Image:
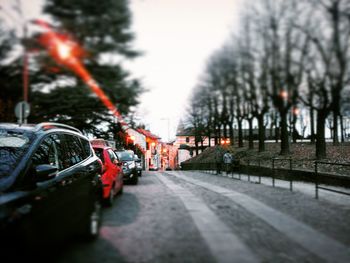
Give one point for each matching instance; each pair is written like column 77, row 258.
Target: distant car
column 168, row 169
column 112, row 176
column 50, row 186
column 129, row 166
column 153, row 167
column 138, row 165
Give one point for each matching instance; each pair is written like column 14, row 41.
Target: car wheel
column 135, row 180
column 110, row 199
column 92, row 226
column 121, row 190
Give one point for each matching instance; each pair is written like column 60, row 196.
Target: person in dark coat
column 218, row 160
column 228, row 160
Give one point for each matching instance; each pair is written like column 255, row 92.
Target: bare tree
column 328, row 69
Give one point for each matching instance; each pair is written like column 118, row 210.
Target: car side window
column 86, row 147
column 75, row 152
column 111, row 155
column 49, row 152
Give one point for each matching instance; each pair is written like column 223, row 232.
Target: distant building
column 185, row 140
column 153, row 149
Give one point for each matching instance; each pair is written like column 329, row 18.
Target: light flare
column 64, row 51
column 67, row 53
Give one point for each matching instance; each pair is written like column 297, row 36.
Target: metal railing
column 317, row 184
column 276, row 164
column 274, row 160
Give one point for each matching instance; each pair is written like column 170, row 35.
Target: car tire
column 135, row 180
column 92, row 226
column 121, row 190
column 110, row 199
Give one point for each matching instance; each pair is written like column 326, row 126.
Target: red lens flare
column 67, row 53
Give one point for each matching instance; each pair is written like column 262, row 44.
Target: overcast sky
column 177, row 37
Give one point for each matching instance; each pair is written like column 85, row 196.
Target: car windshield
column 125, row 156
column 13, row 145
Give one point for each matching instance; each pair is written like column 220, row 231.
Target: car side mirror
column 45, row 172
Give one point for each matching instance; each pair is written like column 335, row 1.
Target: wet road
column 195, row 217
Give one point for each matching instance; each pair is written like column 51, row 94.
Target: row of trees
column 287, row 55
column 103, row 31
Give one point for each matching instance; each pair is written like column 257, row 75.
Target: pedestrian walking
column 228, row 159
column 218, row 161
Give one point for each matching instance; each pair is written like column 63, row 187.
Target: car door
column 47, row 201
column 117, row 170
column 79, row 173
column 111, row 168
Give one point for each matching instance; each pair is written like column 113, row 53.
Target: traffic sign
column 22, row 111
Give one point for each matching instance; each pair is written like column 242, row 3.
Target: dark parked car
column 50, row 186
column 129, row 166
column 138, row 163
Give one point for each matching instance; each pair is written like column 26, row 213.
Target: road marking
column 223, row 244
column 318, row 243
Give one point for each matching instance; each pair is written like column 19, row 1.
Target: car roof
column 44, row 126
column 100, row 146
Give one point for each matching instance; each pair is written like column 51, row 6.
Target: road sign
column 22, row 111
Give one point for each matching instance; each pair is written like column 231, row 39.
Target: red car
column 112, row 177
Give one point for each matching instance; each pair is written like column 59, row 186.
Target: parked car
column 129, row 166
column 138, row 165
column 50, row 186
column 153, row 167
column 112, row 176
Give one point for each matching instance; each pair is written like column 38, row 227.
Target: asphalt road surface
column 196, row 217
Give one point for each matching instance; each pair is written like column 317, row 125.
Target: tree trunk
column 294, row 128
column 335, row 128
column 232, row 137
column 196, row 144
column 284, row 134
column 216, row 135
column 261, row 133
column 250, row 136
column 312, row 126
column 342, row 128
column 209, row 137
column 277, row 129
column 240, row 133
column 271, row 127
column 320, row 135
column 225, row 130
